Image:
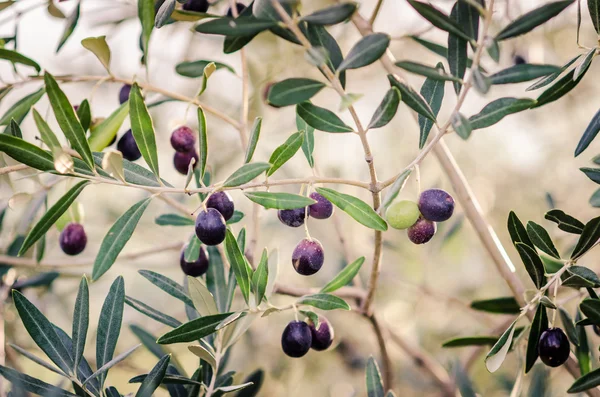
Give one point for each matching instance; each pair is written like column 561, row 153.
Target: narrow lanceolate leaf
column 163, row 15
column 36, row 359
column 19, row 110
column 84, row 113
column 497, row 354
column 193, row 330
column 109, row 324
column 580, row 277
column 439, row 19
column 142, row 128
column 412, row 99
column 81, row 320
column 202, row 142
column 245, row 174
column 154, row 378
column 320, row 37
column 29, row 154
column 203, row 300
column 504, row 305
column 293, row 91
column 368, row 50
column 98, row 46
column 522, row 72
column 103, row 369
column 285, row 152
column 373, row 378
column 331, row 15
column 550, row 78
column 433, row 92
column 320, row 118
column 308, row 144
column 238, row 263
column 457, row 45
column 202, row 353
column 534, row 18
column 541, row 239
column 584, row 64
column 196, row 68
column 587, row 381
column 538, row 325
column 15, row 57
column 471, row 341
column 173, row 220
column 33, row 385
column 426, row 70
column 345, row 276
column 67, row 120
column 533, row 264
column 241, row 26
column 562, row 87
column 569, row 326
column 589, row 134
column 215, row 278
column 42, row 332
column 152, row 313
column 356, row 208
column 261, row 277
column 253, row 141
column 103, row 134
column 51, row 216
column 589, row 237
column 324, row 302
column 395, row 189
column 166, row 284
column 280, row 201
column 146, row 18
column 117, row 237
column 72, row 21
column 565, row 222
column 594, row 9
column 592, row 173
column 47, row 135
column 498, row 109
column 591, row 308
column 582, row 352
column 386, row 110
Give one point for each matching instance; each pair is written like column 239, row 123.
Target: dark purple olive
column 322, row 336
column 72, row 239
column 519, row 60
column 422, row 231
column 596, row 329
column 183, row 139
column 128, row 147
column 436, row 205
column 222, row 202
column 124, row 93
column 181, row 161
column 308, row 257
column 196, row 5
column 292, row 218
column 554, row 347
column 210, row 227
column 296, row 339
column 322, row 209
column 196, row 268
column 239, row 6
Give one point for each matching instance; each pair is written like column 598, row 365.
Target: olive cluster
column 300, row 336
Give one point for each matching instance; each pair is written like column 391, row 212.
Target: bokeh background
column 424, row 291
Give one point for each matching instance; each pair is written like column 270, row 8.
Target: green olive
column 402, row 214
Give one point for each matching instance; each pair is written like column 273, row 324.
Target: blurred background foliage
column 424, row 291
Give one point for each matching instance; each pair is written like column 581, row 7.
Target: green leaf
column 51, row 216
column 103, row 134
column 594, row 9
column 480, row 81
column 332, row 15
column 148, row 340
column 98, row 46
column 152, row 313
column 563, row 86
column 457, row 46
column 193, row 330
column 173, row 220
column 439, row 19
column 356, row 208
column 84, row 113
column 582, row 352
column 529, row 21
column 589, row 237
column 565, row 222
column 538, row 325
column 245, row 174
column 589, row 134
column 427, row 71
column 584, row 64
column 471, row 341
column 320, row 118
column 587, row 381
column 32, row 384
column 569, row 326
column 240, row 26
column 324, row 302
column 253, row 141
column 395, row 189
column 293, row 91
column 163, row 15
column 67, row 120
column 70, row 27
column 36, row 359
column 412, row 99
column 146, row 18
column 109, row 324
column 497, row 354
column 550, row 78
column 237, row 260
column 533, row 264
column 42, row 332
column 285, row 152
column 504, row 305
column 104, row 369
column 308, row 144
column 319, row 37
column 196, row 68
column 280, row 201
column 202, row 353
column 386, row 110
column 345, row 276
column 373, row 377
column 215, row 278
column 154, row 378
column 580, row 277
column 433, row 92
column 498, row 109
column 117, row 237
column 81, row 320
column 461, row 125
column 202, row 141
column 142, row 128
column 167, row 285
column 541, row 239
column 368, row 50
column 522, row 72
column 202, row 298
column 169, row 380
column 591, row 308
column 261, row 277
column 192, row 249
column 595, row 199
column 15, row 57
column 19, row 109
column 134, row 173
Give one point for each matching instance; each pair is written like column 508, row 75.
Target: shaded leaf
column 589, row 134
column 109, row 325
column 589, row 237
column 368, row 50
column 193, row 330
column 237, row 260
column 522, row 72
column 541, row 239
column 15, row 57
column 386, row 110
column 565, row 222
column 471, row 341
column 154, row 378
column 152, row 313
column 538, row 325
column 253, row 141
column 331, row 15
column 167, row 285
column 32, row 384
column 173, row 220
column 373, row 378
column 240, row 26
column 412, row 99
column 72, row 21
column 293, row 91
column 504, row 305
column 534, row 18
column 196, row 68
column 98, row 46
column 438, row 19
column 496, row 110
